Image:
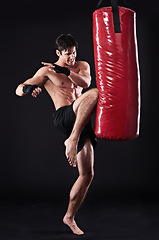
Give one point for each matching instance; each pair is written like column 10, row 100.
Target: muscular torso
column 61, row 89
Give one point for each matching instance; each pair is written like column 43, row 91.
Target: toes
column 70, row 162
column 71, row 159
column 73, row 164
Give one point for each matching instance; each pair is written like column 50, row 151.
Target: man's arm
column 32, row 85
column 83, row 78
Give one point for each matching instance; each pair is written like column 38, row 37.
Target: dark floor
column 104, row 220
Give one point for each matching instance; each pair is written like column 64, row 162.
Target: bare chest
column 61, row 80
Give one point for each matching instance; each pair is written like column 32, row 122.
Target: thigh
column 84, row 96
column 85, row 159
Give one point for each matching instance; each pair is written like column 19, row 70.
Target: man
column 64, row 81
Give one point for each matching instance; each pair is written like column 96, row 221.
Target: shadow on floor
column 105, row 221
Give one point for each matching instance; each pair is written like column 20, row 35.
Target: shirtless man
column 64, row 81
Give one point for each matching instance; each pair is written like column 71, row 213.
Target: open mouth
column 71, row 61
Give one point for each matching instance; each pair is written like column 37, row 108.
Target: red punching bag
column 117, row 73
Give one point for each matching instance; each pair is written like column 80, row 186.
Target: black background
column 32, row 160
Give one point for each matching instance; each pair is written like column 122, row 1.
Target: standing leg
column 83, row 108
column 85, row 162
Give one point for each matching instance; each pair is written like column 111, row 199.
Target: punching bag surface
column 117, row 75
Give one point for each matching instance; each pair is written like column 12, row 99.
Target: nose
column 72, row 56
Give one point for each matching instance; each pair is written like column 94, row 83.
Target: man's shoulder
column 82, row 64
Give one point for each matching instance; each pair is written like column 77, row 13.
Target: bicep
column 38, row 79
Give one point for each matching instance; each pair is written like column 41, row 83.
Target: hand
column 59, row 69
column 34, row 90
column 48, row 64
column 56, row 68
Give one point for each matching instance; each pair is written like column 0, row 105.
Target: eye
column 68, row 54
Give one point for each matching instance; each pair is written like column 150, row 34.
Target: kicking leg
column 83, row 108
column 85, row 162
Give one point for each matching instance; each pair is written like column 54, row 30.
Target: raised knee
column 95, row 93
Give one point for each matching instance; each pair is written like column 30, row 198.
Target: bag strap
column 116, row 17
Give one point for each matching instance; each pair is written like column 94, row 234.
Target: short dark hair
column 65, row 41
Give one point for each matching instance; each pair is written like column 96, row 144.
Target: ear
column 58, row 53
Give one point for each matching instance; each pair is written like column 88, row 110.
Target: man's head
column 66, row 47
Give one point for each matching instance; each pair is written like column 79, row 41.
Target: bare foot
column 72, row 225
column 71, row 151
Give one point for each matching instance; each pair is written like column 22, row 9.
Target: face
column 68, row 56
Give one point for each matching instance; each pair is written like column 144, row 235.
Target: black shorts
column 64, row 119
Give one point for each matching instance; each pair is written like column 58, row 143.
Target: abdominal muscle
column 62, row 96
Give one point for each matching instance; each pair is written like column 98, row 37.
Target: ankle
column 75, row 135
column 74, row 138
column 69, row 217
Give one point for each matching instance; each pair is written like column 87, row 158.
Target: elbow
column 16, row 92
column 87, row 83
column 19, row 92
